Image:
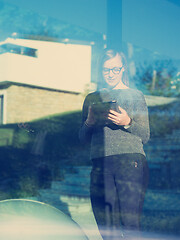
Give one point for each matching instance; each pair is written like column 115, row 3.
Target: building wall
column 57, row 65
column 25, row 104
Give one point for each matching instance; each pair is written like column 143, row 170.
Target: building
column 24, row 102
column 40, row 78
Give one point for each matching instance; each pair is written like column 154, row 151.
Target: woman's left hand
column 121, row 119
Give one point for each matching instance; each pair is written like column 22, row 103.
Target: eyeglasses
column 115, row 70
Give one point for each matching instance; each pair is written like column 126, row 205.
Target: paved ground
column 72, row 197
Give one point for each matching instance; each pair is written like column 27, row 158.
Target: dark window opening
column 17, row 49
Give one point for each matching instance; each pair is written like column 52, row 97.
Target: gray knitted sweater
column 112, row 139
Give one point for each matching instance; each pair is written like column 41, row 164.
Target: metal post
column 114, row 24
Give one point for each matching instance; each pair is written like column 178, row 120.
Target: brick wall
column 25, row 103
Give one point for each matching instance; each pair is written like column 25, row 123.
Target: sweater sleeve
column 85, row 131
column 140, row 120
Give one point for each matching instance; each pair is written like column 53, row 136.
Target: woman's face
column 112, row 71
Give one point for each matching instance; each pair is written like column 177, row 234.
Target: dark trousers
column 118, row 185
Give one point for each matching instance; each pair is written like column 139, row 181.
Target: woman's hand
column 90, row 121
column 121, row 119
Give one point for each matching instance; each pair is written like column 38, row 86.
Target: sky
column 89, row 14
column 151, row 24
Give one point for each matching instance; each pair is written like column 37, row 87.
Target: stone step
column 71, row 190
column 162, row 201
column 65, row 202
column 76, row 180
column 74, row 200
column 79, row 168
column 162, row 147
column 83, row 171
column 158, row 200
column 79, row 177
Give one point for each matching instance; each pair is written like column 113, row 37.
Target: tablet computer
column 101, row 110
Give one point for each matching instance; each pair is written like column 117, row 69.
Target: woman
column 120, row 173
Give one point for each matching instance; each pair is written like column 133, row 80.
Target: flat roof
column 6, row 84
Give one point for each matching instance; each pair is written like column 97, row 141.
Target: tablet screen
column 101, row 110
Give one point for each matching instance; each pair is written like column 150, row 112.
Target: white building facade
column 56, row 65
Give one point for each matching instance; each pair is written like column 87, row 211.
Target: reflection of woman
column 120, row 173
